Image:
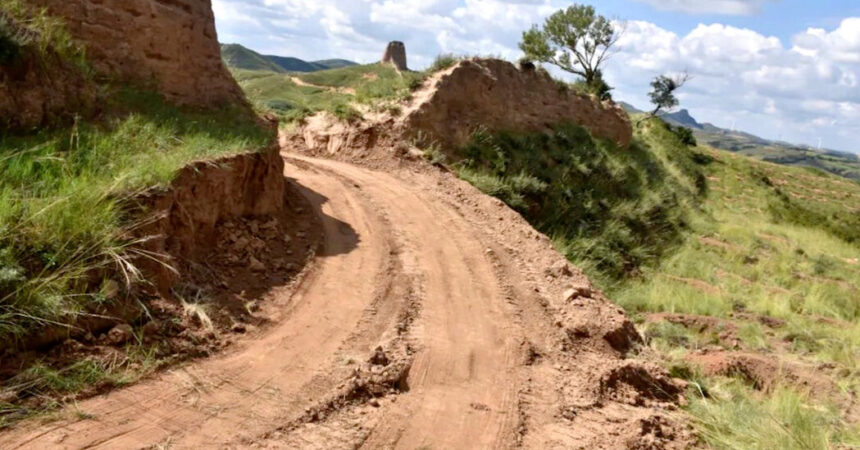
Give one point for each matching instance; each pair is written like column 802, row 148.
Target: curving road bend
column 451, row 284
column 383, row 241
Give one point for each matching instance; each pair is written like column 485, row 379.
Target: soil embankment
column 474, row 94
column 495, row 95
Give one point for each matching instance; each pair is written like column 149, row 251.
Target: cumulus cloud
column 800, row 89
column 799, row 92
column 731, row 7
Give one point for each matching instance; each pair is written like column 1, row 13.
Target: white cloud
column 794, row 90
column 842, row 44
column 730, row 7
column 797, row 93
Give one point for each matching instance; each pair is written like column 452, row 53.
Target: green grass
column 278, row 94
column 24, row 27
column 735, row 417
column 663, row 227
column 44, row 388
column 443, row 62
column 372, row 83
column 782, row 242
column 845, row 165
column 62, row 195
column 344, row 91
column 611, row 209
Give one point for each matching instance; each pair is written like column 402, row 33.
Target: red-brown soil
column 432, row 316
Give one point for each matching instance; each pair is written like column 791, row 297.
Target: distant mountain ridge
column 840, row 163
column 237, row 56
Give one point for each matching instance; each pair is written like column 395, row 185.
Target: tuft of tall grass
column 24, row 26
column 735, row 417
column 63, row 225
column 443, row 61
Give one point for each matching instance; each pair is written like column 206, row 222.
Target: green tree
column 575, row 39
column 663, row 92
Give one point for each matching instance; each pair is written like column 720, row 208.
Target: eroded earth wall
column 168, row 44
column 496, row 95
column 183, row 218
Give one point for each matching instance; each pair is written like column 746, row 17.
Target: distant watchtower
column 395, row 54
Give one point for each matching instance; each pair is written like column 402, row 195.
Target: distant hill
column 334, row 63
column 239, row 57
column 836, row 162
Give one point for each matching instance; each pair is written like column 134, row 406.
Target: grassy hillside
column 664, row 228
column 840, row 163
column 236, row 56
column 239, row 57
column 614, row 209
column 333, row 63
column 341, row 91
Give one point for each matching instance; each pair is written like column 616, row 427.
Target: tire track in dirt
column 240, row 395
column 463, row 382
column 465, row 299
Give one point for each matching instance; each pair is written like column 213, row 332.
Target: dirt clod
column 640, row 384
column 379, row 358
column 120, row 334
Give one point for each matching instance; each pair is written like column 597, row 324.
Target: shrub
column 616, row 208
column 597, row 87
column 442, row 62
column 685, row 135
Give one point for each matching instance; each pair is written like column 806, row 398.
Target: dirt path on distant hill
column 435, row 317
column 342, row 90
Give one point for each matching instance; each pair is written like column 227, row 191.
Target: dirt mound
column 640, row 384
column 497, row 96
column 762, row 372
column 171, row 43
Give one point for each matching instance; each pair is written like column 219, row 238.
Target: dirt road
column 479, row 347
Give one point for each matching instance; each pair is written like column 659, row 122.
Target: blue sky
column 782, row 19
column 782, row 69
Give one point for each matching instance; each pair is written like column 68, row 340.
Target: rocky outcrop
column 395, row 54
column 170, row 45
column 497, row 96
